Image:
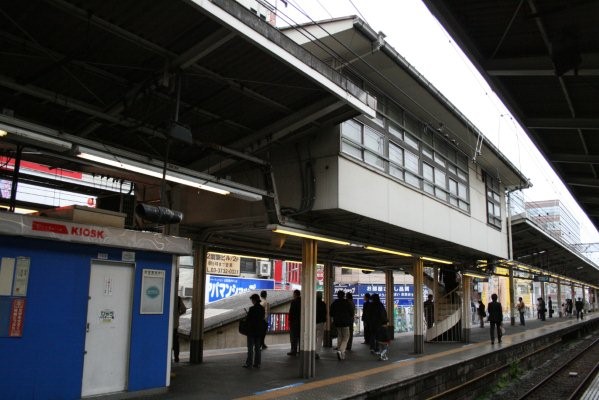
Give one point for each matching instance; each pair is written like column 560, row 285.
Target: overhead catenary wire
column 318, row 42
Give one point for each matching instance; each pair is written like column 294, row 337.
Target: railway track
column 565, row 378
column 570, row 379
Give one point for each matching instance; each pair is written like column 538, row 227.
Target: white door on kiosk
column 108, row 328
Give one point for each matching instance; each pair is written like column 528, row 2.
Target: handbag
column 244, row 326
column 502, row 330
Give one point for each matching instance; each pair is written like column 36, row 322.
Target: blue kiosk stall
column 84, row 309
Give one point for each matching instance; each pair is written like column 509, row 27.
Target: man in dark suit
column 295, row 312
column 256, row 328
column 495, row 312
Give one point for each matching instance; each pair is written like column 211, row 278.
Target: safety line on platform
column 280, row 388
column 286, row 391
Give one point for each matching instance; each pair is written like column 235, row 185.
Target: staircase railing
column 448, row 326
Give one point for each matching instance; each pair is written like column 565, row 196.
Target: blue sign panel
column 220, row 287
column 403, row 294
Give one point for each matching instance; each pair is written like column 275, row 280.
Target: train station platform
column 361, row 374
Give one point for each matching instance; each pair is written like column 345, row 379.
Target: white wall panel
column 371, row 194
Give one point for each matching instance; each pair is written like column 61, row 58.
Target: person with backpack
column 377, row 317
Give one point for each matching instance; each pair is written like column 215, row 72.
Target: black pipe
column 158, row 214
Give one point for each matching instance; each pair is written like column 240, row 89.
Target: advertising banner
column 223, row 264
column 403, row 294
column 220, row 287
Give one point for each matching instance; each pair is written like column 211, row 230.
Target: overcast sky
column 419, row 38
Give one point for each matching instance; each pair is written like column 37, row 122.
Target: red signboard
column 17, row 313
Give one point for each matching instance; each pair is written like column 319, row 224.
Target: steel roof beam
column 159, row 50
column 562, row 123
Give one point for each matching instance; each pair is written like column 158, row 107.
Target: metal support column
column 327, row 297
column 308, row 317
column 12, row 205
column 543, row 292
column 595, row 302
column 417, row 271
column 572, row 293
column 559, row 298
column 196, row 343
column 512, row 295
column 584, row 297
column 389, row 291
column 466, row 309
column 436, row 293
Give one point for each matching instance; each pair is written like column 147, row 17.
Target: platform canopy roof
column 207, row 80
column 536, row 248
column 542, row 59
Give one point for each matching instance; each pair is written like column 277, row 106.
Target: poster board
column 152, row 291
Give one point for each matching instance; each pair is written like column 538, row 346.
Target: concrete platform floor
column 221, row 375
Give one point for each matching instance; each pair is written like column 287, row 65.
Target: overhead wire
column 318, row 42
column 469, row 67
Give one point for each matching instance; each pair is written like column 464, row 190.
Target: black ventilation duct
column 158, row 214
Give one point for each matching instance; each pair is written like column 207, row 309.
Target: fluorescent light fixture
column 388, row 251
column 37, row 139
column 19, row 210
column 474, row 274
column 359, row 269
column 437, row 260
column 307, row 235
column 146, row 169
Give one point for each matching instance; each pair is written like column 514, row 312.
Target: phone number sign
column 223, row 264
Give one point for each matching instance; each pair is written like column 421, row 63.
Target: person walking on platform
column 481, row 313
column 321, row 319
column 542, row 308
column 264, row 303
column 377, row 318
column 495, row 318
column 295, row 313
column 255, row 318
column 350, row 299
column 521, row 308
column 550, row 307
column 569, row 307
column 365, row 307
column 341, row 313
column 579, row 306
column 429, row 311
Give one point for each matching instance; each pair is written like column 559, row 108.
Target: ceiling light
column 307, row 235
column 35, row 139
column 381, row 250
column 359, row 269
column 437, row 260
column 474, row 274
column 146, row 169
